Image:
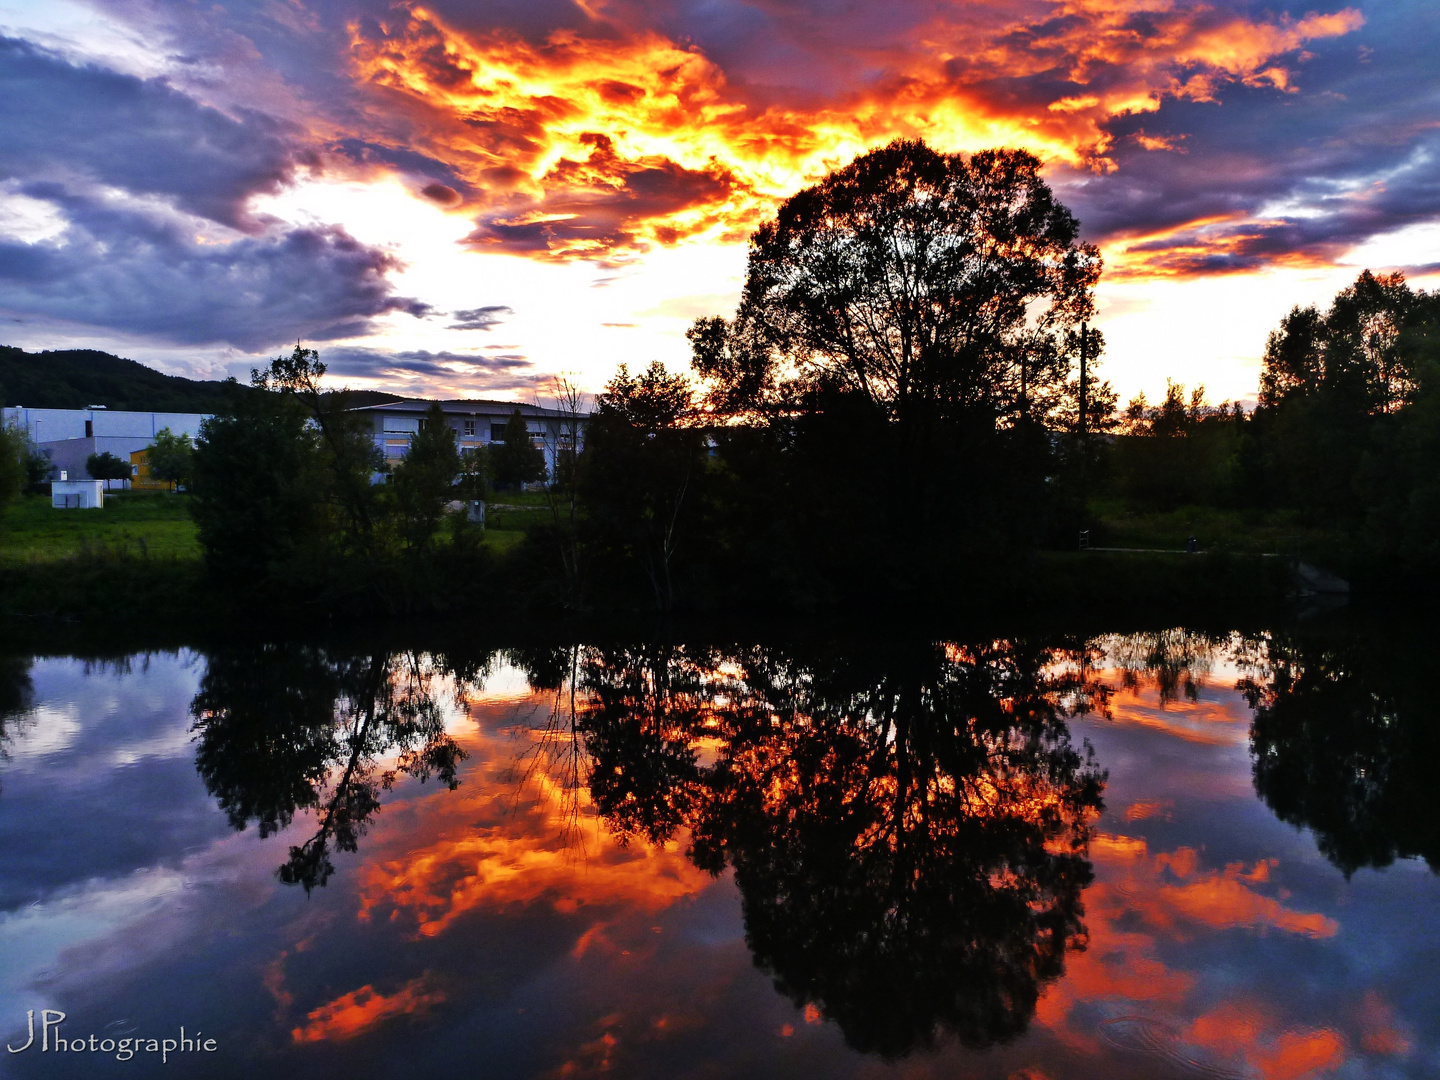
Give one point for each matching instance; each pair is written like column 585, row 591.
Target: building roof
column 465, row 405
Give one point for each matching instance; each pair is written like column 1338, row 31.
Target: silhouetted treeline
column 893, row 414
column 893, row 417
column 1345, row 437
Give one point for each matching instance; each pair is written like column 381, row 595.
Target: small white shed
column 77, row 494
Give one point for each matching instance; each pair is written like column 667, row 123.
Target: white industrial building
column 476, row 423
column 69, row 436
column 77, row 494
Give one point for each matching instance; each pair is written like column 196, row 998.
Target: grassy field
column 1214, row 529
column 158, row 526
column 155, row 526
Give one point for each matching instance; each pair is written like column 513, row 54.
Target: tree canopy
column 106, row 466
column 930, row 284
column 517, row 460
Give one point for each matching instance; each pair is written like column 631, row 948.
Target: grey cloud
column 1351, row 154
column 144, row 273
column 469, row 372
column 78, row 123
column 480, row 318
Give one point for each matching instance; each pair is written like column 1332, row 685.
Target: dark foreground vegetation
column 902, row 414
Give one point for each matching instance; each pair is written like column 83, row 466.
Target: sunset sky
column 463, row 198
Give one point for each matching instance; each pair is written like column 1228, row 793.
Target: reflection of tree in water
column 1343, row 741
column 284, row 729
column 908, row 830
column 1177, row 659
column 17, row 697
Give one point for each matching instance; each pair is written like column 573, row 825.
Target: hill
column 78, row 378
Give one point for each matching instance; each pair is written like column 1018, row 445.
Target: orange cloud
column 482, row 853
column 602, row 144
column 350, row 1014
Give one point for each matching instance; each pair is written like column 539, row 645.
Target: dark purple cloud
column 492, row 372
column 68, row 122
column 141, row 273
column 131, row 165
column 480, row 318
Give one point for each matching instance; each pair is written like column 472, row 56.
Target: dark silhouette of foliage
column 258, row 488
column 284, row 729
column 642, row 476
column 106, row 466
column 424, row 480
column 349, row 457
column 908, row 331
column 1343, row 742
column 517, row 460
column 907, row 827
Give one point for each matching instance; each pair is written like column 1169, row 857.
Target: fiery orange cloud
column 603, row 145
column 481, row 854
column 362, row 1009
column 1142, row 899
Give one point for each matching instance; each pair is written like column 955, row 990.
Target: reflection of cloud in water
column 46, row 729
column 1158, row 1039
column 478, row 849
column 1217, row 718
column 362, row 1009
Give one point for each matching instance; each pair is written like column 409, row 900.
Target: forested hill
column 77, row 378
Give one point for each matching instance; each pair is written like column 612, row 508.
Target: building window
column 497, row 432
column 470, row 428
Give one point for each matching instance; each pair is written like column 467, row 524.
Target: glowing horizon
column 453, row 202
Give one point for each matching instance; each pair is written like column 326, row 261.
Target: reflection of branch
column 560, row 730
column 355, row 796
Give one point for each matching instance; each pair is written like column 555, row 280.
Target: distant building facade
column 141, row 479
column 476, row 423
column 77, row 495
column 69, row 436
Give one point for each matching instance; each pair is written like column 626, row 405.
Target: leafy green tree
column 424, row 480
column 644, row 459
column 351, row 458
column 106, row 466
column 171, row 457
column 517, row 460
column 914, row 278
column 14, row 462
column 258, row 488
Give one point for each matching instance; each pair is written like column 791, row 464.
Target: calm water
column 1156, row 855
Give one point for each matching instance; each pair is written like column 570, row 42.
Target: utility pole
column 1084, row 339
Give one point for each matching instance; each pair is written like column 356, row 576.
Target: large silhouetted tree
column 642, row 475
column 907, row 329
column 914, row 278
column 907, row 826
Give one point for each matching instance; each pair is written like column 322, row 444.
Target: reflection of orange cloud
column 1141, row 898
column 1214, row 723
column 482, row 854
column 596, row 146
column 1380, row 1032
column 1246, row 1030
column 1298, row 1054
column 439, row 883
column 1145, row 808
column 362, row 1009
